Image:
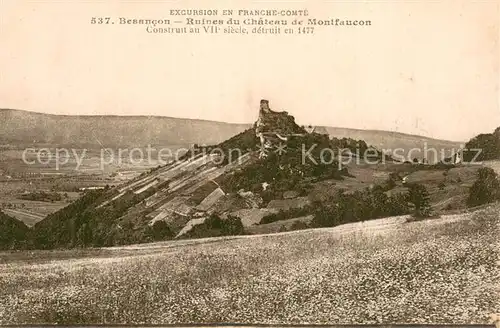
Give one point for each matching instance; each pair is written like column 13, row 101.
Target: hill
column 19, row 127
column 269, row 179
column 391, row 141
column 379, row 272
column 201, row 186
column 23, row 127
column 13, row 233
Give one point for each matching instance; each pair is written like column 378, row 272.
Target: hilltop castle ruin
column 273, row 128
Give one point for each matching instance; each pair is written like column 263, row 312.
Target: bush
column 486, row 189
column 42, row 196
column 390, row 183
column 298, row 225
column 159, row 231
column 232, row 226
column 214, row 226
column 286, row 215
column 359, row 206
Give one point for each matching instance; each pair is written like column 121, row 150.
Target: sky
column 422, row 67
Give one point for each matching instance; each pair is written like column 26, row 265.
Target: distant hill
column 20, row 127
column 390, row 140
column 23, row 127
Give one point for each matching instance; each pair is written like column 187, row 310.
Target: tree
column 486, row 189
column 232, row 226
column 419, row 197
column 84, row 235
column 483, row 147
column 213, row 222
column 160, row 231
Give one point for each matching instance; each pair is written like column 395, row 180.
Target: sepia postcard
column 250, row 163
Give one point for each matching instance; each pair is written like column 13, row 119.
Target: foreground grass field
column 385, row 271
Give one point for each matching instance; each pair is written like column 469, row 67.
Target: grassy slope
column 383, row 271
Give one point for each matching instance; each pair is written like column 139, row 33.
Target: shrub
column 486, row 189
column 42, row 196
column 214, row 226
column 298, row 225
column 232, row 226
column 159, row 231
column 287, row 214
column 390, row 183
column 359, row 206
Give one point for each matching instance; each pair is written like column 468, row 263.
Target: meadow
column 442, row 270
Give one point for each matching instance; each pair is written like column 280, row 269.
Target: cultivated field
column 384, row 271
column 82, row 168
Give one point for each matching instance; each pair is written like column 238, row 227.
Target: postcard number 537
column 100, row 20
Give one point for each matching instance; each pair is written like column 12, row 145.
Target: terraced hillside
column 205, row 193
column 442, row 270
column 168, row 201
